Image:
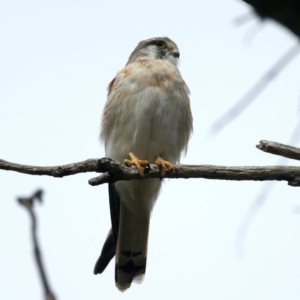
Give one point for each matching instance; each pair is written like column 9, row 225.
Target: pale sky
column 56, row 59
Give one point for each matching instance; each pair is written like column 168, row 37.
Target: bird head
column 155, row 48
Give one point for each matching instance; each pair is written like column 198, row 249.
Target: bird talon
column 137, row 163
column 163, row 165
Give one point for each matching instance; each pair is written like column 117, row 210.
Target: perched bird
column 147, row 116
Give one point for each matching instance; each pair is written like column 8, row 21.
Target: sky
column 56, row 60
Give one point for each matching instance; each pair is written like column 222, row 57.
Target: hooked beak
column 175, row 53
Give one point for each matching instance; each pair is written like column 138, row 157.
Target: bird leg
column 137, row 163
column 163, row 165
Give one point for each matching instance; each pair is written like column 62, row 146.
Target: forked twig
column 28, row 204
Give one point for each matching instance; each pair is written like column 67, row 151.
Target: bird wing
column 109, row 247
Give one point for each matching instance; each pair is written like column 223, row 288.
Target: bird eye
column 160, row 44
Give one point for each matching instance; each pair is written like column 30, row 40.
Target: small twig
column 267, row 187
column 251, row 95
column 244, row 18
column 279, row 149
column 28, row 203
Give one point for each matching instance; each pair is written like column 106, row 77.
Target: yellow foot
column 137, row 163
column 163, row 165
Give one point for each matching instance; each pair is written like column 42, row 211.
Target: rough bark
column 114, row 171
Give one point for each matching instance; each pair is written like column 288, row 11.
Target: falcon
column 147, row 117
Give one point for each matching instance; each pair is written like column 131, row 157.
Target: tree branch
column 115, row 171
column 258, row 87
column 279, row 149
column 278, row 173
column 28, row 204
column 285, row 12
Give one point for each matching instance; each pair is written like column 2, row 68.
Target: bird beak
column 175, row 53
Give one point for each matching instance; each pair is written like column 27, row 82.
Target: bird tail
column 128, row 240
column 131, row 250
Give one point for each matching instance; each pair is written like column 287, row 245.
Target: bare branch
column 115, row 171
column 285, row 12
column 266, row 188
column 278, row 173
column 251, row 95
column 90, row 165
column 28, row 203
column 244, row 18
column 279, row 149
